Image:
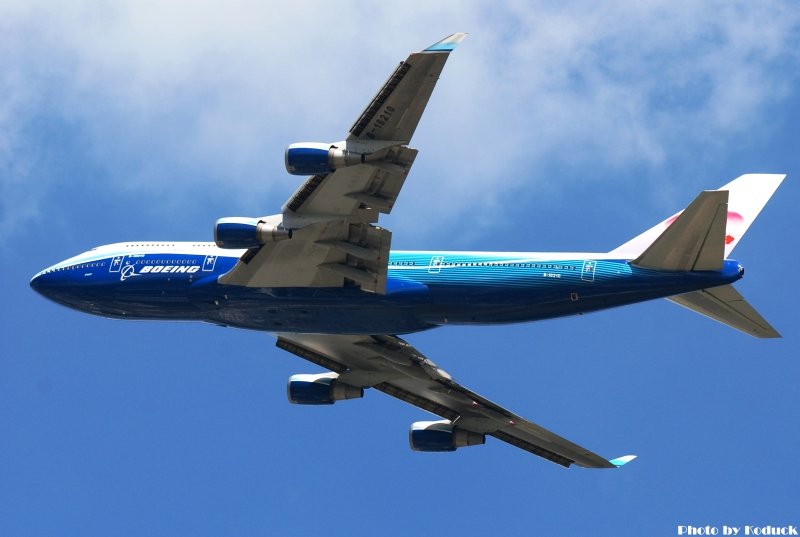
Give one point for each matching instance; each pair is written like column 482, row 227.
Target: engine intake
column 321, row 389
column 441, row 436
column 315, row 158
column 239, row 232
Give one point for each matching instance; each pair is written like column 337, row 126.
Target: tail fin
column 726, row 305
column 694, row 241
column 747, row 195
column 700, row 238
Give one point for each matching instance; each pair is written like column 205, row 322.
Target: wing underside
column 392, row 366
column 331, row 216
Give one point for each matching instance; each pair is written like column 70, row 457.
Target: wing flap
column 295, row 262
column 359, row 192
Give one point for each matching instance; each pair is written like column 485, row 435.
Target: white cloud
column 597, row 89
column 209, row 93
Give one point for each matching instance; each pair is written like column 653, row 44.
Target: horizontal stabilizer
column 726, row 305
column 619, row 462
column 695, row 240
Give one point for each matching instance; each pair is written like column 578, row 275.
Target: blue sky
column 553, row 128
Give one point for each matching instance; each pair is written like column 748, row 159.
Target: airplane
column 321, row 277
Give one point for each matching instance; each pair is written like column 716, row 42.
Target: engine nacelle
column 441, row 436
column 239, row 232
column 322, row 389
column 315, row 158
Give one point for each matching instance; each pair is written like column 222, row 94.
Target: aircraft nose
column 72, row 283
column 59, row 286
column 36, row 283
column 46, row 283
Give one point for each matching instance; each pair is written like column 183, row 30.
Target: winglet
column 447, row 44
column 619, row 462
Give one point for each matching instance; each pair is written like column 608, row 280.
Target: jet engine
column 441, row 436
column 238, row 232
column 315, row 158
column 322, row 389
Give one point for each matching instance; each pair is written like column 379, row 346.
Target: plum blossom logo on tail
column 735, row 222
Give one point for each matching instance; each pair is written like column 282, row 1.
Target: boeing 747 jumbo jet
column 320, row 275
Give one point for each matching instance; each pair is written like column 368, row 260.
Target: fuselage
column 178, row 281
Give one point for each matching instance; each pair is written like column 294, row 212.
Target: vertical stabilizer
column 694, row 241
column 747, row 195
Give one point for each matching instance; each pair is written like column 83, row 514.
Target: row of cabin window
column 162, row 245
column 84, row 265
column 549, row 266
column 166, row 262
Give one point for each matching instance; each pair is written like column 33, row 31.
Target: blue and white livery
column 321, row 276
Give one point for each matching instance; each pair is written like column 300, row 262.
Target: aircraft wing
column 333, row 240
column 390, row 365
